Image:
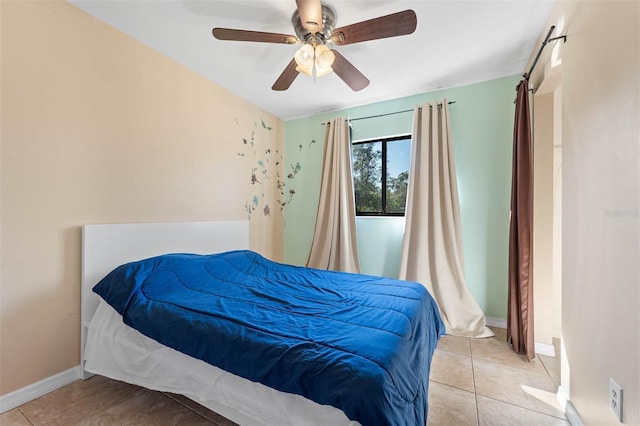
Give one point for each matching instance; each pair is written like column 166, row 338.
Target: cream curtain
column 432, row 244
column 334, row 242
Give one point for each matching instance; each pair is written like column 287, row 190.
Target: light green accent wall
column 482, row 131
column 379, row 244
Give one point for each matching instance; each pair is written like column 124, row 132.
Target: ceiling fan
column 314, row 23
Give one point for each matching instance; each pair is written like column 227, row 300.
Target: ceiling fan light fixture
column 308, row 70
column 323, row 71
column 304, row 56
column 314, row 62
column 314, row 71
column 324, row 57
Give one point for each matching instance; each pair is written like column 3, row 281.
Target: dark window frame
column 383, row 143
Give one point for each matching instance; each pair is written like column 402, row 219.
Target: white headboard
column 105, row 247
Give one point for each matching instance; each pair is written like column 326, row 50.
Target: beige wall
column 543, row 124
column 600, row 67
column 97, row 128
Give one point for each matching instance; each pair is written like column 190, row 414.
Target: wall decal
column 259, row 166
column 287, row 196
column 265, row 162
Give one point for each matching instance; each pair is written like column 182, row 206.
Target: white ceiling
column 455, row 43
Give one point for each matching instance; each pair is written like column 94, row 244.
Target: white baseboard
column 572, row 415
column 569, row 409
column 29, row 393
column 541, row 348
column 496, row 322
column 545, row 349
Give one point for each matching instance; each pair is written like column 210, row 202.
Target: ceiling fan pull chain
column 313, row 70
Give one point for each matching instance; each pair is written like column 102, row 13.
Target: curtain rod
column 544, row 44
column 388, row 113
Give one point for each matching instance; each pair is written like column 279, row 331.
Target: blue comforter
column 360, row 343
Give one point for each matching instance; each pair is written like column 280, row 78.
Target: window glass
column 381, row 175
column 367, row 176
column 398, row 153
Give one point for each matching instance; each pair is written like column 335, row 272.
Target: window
column 381, row 175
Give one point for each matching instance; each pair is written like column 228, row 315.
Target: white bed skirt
column 116, row 350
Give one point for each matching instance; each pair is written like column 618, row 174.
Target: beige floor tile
column 77, row 401
column 517, row 386
column 499, row 352
column 552, row 365
column 452, row 369
column 495, row 413
column 500, row 333
column 13, row 418
column 146, row 407
column 456, row 344
column 203, row 411
column 451, row 406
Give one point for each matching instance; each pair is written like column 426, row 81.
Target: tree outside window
column 381, row 175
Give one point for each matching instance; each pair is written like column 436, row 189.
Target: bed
column 121, row 340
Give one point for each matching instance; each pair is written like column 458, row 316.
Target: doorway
column 547, row 215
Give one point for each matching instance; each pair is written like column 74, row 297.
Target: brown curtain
column 520, row 310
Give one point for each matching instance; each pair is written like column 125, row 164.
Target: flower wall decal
column 264, row 162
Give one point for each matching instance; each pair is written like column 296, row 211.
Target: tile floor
column 483, row 382
column 473, row 382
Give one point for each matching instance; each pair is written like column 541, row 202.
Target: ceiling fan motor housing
column 328, row 24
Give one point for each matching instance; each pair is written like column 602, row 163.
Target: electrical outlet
column 615, row 399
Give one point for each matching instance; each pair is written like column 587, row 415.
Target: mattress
column 117, row 351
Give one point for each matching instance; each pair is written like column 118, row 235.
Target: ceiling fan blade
column 244, row 35
column 286, row 78
column 348, row 73
column 396, row 24
column 310, row 12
